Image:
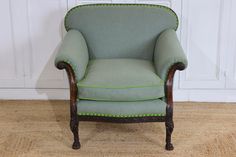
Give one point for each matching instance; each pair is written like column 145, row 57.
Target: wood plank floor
column 40, row 128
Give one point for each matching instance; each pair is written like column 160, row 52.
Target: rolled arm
column 168, row 52
column 73, row 51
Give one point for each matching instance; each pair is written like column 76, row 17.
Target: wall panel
column 11, row 68
column 202, row 36
column 45, row 31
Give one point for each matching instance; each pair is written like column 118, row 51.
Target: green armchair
column 120, row 60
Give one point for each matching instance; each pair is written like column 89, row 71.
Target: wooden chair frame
column 168, row 118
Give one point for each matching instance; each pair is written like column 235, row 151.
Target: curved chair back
column 121, row 30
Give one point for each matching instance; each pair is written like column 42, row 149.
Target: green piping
column 107, row 4
column 120, row 116
column 126, row 87
column 95, row 99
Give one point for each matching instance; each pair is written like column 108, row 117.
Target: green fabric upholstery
column 120, row 80
column 73, row 50
column 121, row 30
column 122, row 109
column 168, row 51
column 121, row 54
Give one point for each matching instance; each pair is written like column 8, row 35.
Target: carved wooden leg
column 74, row 124
column 169, row 127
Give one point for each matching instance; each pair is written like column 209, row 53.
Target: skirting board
column 62, row 94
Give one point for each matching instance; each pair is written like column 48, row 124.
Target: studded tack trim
column 120, row 116
column 169, row 10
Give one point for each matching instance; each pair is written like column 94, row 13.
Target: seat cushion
column 120, row 80
column 121, row 109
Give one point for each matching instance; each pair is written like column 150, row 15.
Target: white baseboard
column 205, row 95
column 63, row 94
column 34, row 94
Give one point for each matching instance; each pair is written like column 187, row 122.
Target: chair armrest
column 73, row 51
column 167, row 53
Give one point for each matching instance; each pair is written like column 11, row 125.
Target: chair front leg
column 74, row 122
column 169, row 127
column 169, row 100
column 74, row 125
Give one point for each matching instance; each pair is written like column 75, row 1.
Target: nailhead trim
column 169, row 10
column 119, row 116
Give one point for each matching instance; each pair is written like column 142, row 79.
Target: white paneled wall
column 44, row 30
column 11, row 61
column 203, row 36
column 31, row 30
column 29, row 36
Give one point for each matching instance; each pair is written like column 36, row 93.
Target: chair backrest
column 121, row 30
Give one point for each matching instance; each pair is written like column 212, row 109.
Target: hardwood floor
column 41, row 128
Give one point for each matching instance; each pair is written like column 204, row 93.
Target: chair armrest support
column 170, row 80
column 72, row 83
column 73, row 51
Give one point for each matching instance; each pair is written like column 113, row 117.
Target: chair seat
column 121, row 109
column 120, row 80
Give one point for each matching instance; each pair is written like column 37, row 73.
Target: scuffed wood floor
column 41, row 129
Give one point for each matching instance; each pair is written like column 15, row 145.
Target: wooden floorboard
column 41, row 128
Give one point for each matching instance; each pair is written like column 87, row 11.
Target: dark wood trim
column 123, row 120
column 74, row 122
column 168, row 119
column 169, row 82
column 169, row 100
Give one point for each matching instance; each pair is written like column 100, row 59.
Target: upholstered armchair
column 121, row 60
